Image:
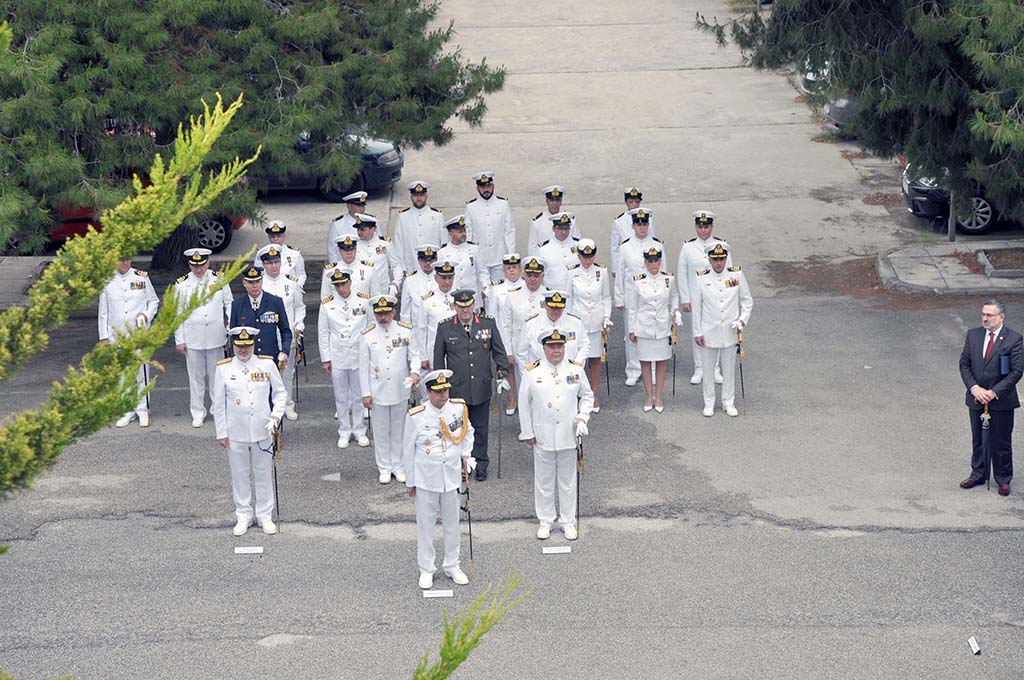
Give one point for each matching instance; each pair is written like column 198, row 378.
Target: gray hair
column 998, row 304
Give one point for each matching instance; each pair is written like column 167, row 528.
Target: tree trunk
column 951, row 225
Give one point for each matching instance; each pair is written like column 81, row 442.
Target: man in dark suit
column 465, row 345
column 265, row 312
column 991, row 365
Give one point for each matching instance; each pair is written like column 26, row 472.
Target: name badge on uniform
column 269, row 317
column 259, row 376
column 572, row 379
column 138, row 285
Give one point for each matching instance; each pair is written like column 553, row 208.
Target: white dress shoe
column 400, row 476
column 343, row 442
column 363, row 440
column 596, row 409
column 268, row 526
column 510, row 411
column 426, row 580
column 570, row 532
column 197, row 422
column 718, row 376
column 731, row 411
column 709, row 411
column 384, row 477
column 659, row 409
column 695, row 379
column 543, row 531
column 458, row 576
column 335, row 415
column 125, row 419
column 648, row 408
column 241, row 526
column 290, row 414
column 143, row 420
column 631, row 381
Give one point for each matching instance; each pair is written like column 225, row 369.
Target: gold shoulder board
column 330, row 265
column 702, row 272
column 405, row 324
column 734, row 269
column 223, row 361
column 637, row 277
column 327, row 299
column 458, row 400
column 181, row 279
column 416, row 409
column 530, row 367
column 368, row 329
column 141, row 273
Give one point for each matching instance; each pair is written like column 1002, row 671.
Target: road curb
column 891, row 280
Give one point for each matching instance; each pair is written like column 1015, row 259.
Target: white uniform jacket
column 413, row 227
column 590, row 295
column 242, row 392
column 287, row 287
column 434, row 308
column 344, row 225
column 470, row 271
column 292, row 263
column 520, row 304
column 377, row 251
column 497, row 294
column 415, row 287
column 550, row 399
column 720, row 299
column 622, row 228
column 489, row 223
column 366, row 280
column 692, row 259
column 540, row 231
column 631, row 263
column 577, row 344
column 123, row 298
column 558, row 257
column 206, row 327
column 650, row 304
column 385, row 361
column 431, row 461
column 338, row 326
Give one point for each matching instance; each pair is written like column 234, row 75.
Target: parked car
column 925, row 197
column 381, row 166
column 842, row 112
column 213, row 232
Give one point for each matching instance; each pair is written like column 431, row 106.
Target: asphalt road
column 821, row 535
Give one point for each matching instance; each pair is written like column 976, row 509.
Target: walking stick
column 469, row 513
column 986, row 445
column 276, row 449
column 675, row 346
column 604, row 359
column 740, row 353
column 579, row 474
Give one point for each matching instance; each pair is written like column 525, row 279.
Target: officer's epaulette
column 623, row 241
column 293, row 277
column 402, row 211
column 216, row 273
column 638, row 277
column 366, row 262
column 264, row 356
column 434, row 209
column 734, row 269
column 620, row 214
column 497, row 282
column 501, row 198
column 655, row 238
column 416, row 409
column 472, row 200
column 340, row 217
column 544, row 243
column 426, row 296
column 458, row 400
column 444, row 245
column 330, row 265
column 405, row 324
column 408, row 274
column 223, row 361
column 368, row 329
column 181, row 279
column 141, row 273
column 533, row 317
column 573, row 315
column 512, row 290
column 472, row 243
column 327, row 299
column 574, row 266
column 537, row 216
column 365, row 296
column 665, row 273
column 575, row 363
column 691, row 240
column 384, row 238
column 702, row 272
column 575, row 239
column 530, row 367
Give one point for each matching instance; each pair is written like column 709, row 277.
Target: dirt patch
column 858, row 279
column 850, row 154
column 888, row 199
column 800, row 99
column 1006, row 258
column 970, row 260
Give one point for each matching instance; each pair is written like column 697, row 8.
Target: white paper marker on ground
column 438, row 593
column 249, row 550
column 557, row 550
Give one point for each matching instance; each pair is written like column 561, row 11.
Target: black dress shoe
column 481, row 474
column 1004, row 489
column 971, row 483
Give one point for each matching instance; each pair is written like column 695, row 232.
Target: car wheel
column 979, row 217
column 214, row 233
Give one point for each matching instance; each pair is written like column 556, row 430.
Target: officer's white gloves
column 407, row 383
column 470, row 462
column 140, row 320
column 607, row 323
column 581, row 428
column 271, row 426
column 678, row 318
column 282, row 357
column 300, row 327
column 737, row 324
column 503, row 386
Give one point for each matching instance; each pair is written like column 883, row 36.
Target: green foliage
column 96, row 89
column 463, row 633
column 941, row 81
column 102, row 387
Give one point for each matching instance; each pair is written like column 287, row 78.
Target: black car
column 925, row 197
column 381, row 166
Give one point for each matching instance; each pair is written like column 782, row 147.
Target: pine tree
column 98, row 87
column 941, row 81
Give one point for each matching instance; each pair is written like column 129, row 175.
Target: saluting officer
column 590, row 299
column 555, row 401
column 265, row 312
column 724, row 309
column 366, row 280
column 540, row 226
column 202, row 336
column 489, row 223
column 437, row 445
column 388, row 368
column 553, row 315
column 631, row 263
column 470, row 272
column 622, row 225
column 128, row 301
column 345, row 224
column 286, row 287
column 559, row 252
column 521, row 303
column 466, row 345
column 342, row 317
column 292, row 261
column 693, row 257
column 243, row 391
column 414, row 225
column 417, row 284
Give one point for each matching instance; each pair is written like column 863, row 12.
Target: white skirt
column 649, row 349
column 595, row 345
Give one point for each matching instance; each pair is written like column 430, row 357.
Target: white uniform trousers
column 140, row 408
column 632, row 356
column 429, row 504
column 551, row 468
column 726, row 357
column 388, row 423
column 202, row 367
column 696, row 350
column 252, row 458
column 348, row 402
column 288, row 377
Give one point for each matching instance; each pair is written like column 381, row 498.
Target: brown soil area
column 970, row 260
column 887, row 199
column 850, row 154
column 858, row 279
column 1009, row 258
